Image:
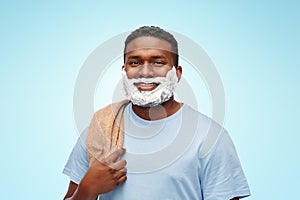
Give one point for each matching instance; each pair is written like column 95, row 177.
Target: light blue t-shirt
column 184, row 156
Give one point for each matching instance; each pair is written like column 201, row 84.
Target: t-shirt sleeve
column 77, row 164
column 222, row 177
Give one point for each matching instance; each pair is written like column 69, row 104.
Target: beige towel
column 106, row 131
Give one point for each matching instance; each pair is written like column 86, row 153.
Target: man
column 208, row 169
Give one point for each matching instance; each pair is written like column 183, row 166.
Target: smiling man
column 150, row 75
column 97, row 164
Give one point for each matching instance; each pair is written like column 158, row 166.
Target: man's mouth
column 146, row 86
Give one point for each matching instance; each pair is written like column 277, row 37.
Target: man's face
column 148, row 57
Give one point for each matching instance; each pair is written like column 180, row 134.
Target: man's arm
column 72, row 188
column 222, row 173
column 100, row 178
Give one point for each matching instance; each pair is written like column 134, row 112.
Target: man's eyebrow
column 159, row 56
column 153, row 57
column 133, row 57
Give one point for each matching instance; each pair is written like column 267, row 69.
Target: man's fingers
column 122, row 180
column 119, row 174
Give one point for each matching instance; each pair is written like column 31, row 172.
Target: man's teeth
column 146, row 84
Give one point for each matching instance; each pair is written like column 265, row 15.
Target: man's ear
column 178, row 72
column 123, row 67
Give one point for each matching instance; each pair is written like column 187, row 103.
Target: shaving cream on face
column 163, row 92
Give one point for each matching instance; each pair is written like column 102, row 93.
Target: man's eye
column 134, row 63
column 159, row 63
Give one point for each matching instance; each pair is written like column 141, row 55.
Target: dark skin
column 151, row 57
column 145, row 57
column 100, row 178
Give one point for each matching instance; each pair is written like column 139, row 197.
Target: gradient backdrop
column 254, row 45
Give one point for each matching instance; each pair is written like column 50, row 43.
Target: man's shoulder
column 208, row 130
column 202, row 118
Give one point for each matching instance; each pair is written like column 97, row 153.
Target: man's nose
column 146, row 71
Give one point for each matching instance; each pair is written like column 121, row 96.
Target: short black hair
column 156, row 32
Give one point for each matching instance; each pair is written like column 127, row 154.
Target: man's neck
column 157, row 112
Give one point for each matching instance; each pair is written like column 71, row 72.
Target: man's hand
column 102, row 176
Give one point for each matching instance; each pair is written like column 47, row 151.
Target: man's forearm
column 79, row 195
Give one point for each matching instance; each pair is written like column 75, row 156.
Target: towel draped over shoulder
column 106, row 131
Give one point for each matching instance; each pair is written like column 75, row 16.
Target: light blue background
column 254, row 45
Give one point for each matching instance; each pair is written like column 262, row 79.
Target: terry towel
column 106, row 131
